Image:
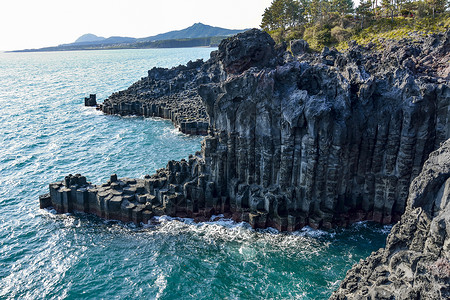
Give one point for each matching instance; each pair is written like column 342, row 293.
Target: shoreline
column 296, row 139
column 108, row 49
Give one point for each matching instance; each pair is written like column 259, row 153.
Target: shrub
column 324, row 37
column 340, row 34
column 278, row 35
column 295, row 33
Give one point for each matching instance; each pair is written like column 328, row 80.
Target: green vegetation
column 398, row 28
column 334, row 22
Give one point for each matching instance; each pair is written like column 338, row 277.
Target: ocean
column 46, row 133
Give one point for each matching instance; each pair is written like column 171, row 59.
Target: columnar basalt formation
column 329, row 139
column 294, row 138
column 416, row 261
column 91, row 100
column 167, row 192
column 169, row 94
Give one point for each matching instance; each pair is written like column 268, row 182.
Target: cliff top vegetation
column 335, row 22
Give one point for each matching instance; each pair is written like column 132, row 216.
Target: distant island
column 197, row 35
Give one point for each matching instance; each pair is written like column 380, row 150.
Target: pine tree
column 388, row 8
column 342, row 7
column 267, row 22
column 437, row 6
column 364, row 11
column 281, row 14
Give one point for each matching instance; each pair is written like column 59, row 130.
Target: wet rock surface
column 307, row 139
column 416, row 261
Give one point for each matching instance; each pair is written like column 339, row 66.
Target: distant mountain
column 89, row 38
column 197, row 35
column 198, row 30
column 118, row 40
column 92, row 39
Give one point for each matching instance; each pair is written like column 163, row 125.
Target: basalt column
column 309, row 144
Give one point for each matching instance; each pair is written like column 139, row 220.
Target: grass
column 397, row 29
column 336, row 32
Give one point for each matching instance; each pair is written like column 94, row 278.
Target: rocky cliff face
column 328, row 139
column 416, row 261
column 294, row 138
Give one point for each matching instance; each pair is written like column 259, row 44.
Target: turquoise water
column 46, row 133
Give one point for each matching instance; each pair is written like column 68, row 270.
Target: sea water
column 47, row 133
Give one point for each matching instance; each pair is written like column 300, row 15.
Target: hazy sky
column 40, row 23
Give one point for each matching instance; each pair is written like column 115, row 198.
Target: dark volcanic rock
column 415, row 264
column 299, row 47
column 328, row 140
column 172, row 93
column 252, row 48
column 169, row 94
column 91, row 100
column 298, row 139
column 313, row 139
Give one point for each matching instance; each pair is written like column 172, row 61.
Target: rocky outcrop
column 169, row 94
column 293, row 140
column 118, row 199
column 416, row 261
column 168, row 192
column 172, row 93
column 91, row 100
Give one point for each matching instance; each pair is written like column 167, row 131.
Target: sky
column 28, row 24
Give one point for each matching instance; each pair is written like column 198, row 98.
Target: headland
column 295, row 138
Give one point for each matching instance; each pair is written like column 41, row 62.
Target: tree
column 268, row 22
column 437, row 6
column 318, row 9
column 281, row 14
column 364, row 11
column 342, row 7
column 388, row 7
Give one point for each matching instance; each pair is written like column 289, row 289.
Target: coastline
column 294, row 139
column 105, row 49
column 265, row 201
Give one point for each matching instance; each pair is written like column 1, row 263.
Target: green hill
column 198, row 30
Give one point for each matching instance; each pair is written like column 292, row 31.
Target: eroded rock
column 415, row 264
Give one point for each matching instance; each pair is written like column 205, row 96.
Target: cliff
column 416, row 261
column 294, row 138
column 329, row 139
